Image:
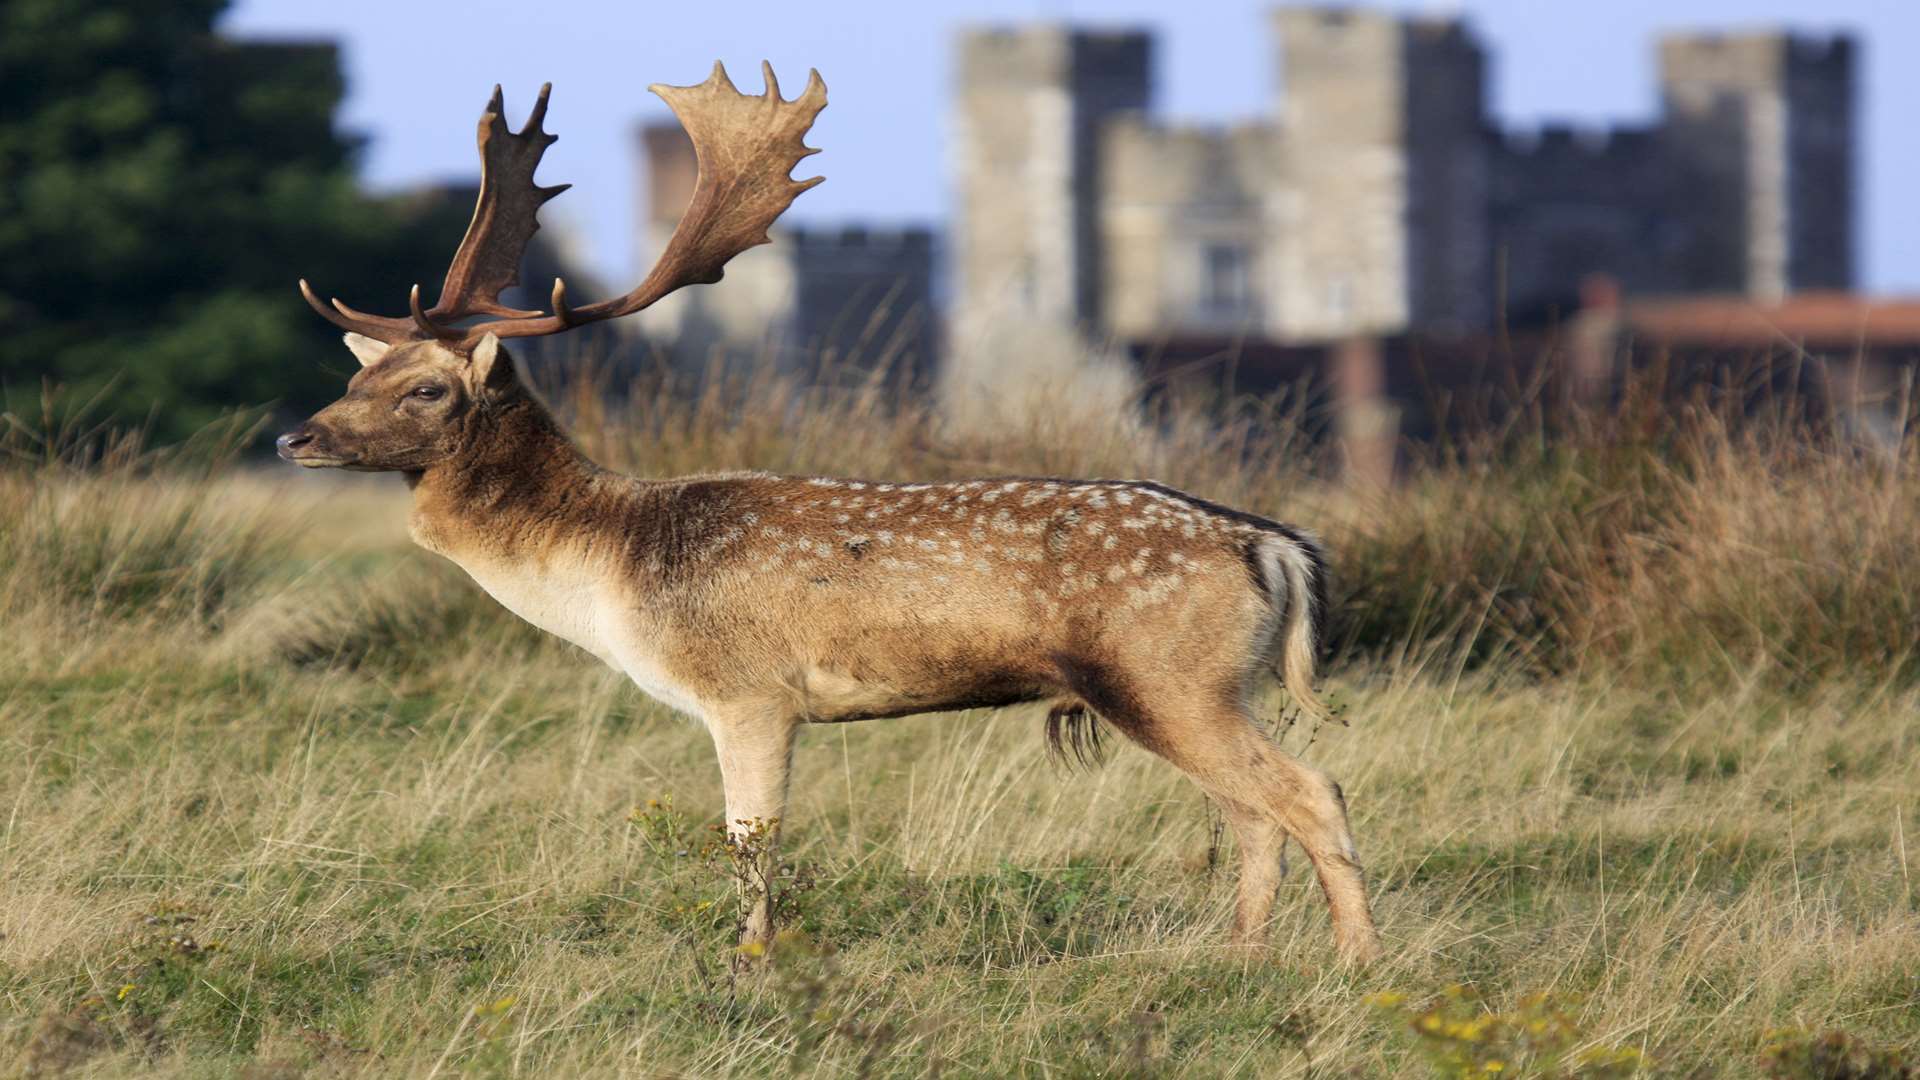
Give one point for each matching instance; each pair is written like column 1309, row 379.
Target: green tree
column 161, row 189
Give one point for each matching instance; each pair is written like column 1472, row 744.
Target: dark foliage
column 161, row 189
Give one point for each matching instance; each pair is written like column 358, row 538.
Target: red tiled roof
column 1830, row 319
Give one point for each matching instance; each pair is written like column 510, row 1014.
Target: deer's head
column 428, row 383
column 411, row 406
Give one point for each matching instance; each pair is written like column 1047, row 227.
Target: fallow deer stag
column 760, row 603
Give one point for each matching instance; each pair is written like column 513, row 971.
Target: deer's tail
column 1297, row 581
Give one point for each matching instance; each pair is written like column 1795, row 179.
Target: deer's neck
column 522, row 492
column 534, row 523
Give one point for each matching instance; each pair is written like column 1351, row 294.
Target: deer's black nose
column 293, row 440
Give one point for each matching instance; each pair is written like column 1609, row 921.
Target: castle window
column 1226, row 286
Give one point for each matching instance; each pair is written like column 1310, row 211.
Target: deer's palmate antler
column 746, row 147
column 761, row 603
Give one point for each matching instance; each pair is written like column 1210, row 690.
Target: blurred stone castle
column 1379, row 198
column 1376, row 199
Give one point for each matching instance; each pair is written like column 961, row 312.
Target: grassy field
column 1632, row 762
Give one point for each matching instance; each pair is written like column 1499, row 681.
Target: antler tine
column 325, row 312
column 538, row 115
column 380, row 328
column 426, row 325
column 561, row 312
column 773, row 83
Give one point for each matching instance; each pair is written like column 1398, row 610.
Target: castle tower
column 1385, row 222
column 1761, row 129
column 1030, row 107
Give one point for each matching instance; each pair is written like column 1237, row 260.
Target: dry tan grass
column 341, row 818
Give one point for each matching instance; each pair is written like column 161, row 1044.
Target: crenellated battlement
column 1597, row 145
column 816, row 239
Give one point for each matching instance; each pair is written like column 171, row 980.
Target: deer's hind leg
column 1267, row 796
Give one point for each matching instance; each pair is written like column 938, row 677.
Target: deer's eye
column 428, row 392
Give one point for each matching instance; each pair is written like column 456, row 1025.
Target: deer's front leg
column 755, row 746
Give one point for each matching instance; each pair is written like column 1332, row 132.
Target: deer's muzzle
column 307, row 445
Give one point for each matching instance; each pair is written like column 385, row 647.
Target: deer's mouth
column 320, row 461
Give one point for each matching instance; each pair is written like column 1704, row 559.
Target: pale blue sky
column 418, row 75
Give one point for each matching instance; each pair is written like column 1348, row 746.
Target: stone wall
column 1569, row 204
column 1029, row 108
column 1445, row 129
column 863, row 298
column 1185, row 215
column 1759, row 133
column 1343, row 265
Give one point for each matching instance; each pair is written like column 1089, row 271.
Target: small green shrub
column 1459, row 1037
column 1796, row 1054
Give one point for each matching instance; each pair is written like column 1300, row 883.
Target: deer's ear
column 365, row 349
column 492, row 367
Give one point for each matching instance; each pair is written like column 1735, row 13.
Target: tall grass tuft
column 1704, row 537
column 98, row 525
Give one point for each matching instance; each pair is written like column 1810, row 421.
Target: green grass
column 361, row 864
column 339, row 816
